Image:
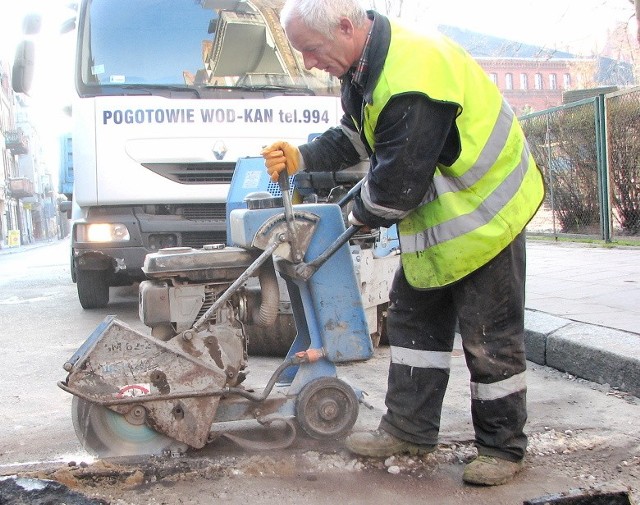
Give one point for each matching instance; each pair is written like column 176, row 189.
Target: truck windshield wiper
column 171, row 87
column 289, row 90
column 146, row 89
column 158, row 89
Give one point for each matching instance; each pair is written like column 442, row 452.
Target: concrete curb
column 598, row 354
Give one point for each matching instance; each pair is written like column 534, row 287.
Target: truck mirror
column 68, row 26
column 65, row 207
column 23, row 67
column 31, row 24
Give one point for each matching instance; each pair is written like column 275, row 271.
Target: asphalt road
column 583, row 436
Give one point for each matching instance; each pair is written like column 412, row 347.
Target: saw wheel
column 327, row 407
column 106, row 433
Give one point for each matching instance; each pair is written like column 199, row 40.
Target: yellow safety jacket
column 477, row 206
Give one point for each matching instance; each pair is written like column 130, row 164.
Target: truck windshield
column 150, row 45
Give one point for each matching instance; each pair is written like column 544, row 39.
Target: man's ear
column 346, row 27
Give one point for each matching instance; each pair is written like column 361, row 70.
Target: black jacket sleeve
column 412, row 136
column 332, row 151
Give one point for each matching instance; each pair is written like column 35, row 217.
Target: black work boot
column 381, row 444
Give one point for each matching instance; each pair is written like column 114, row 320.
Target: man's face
column 333, row 55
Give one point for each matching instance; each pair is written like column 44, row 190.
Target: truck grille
column 205, row 212
column 198, row 239
column 195, row 173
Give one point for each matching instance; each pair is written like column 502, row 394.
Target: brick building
column 532, row 78
column 532, row 85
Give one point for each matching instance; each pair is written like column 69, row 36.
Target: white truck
column 170, row 94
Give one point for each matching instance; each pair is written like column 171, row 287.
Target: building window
column 524, row 81
column 538, row 81
column 553, row 81
column 567, row 81
column 508, row 81
column 494, row 78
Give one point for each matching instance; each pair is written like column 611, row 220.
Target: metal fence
column 589, row 152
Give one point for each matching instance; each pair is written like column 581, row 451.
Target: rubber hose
column 270, row 293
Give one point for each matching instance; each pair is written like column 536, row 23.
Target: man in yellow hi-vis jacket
column 449, row 164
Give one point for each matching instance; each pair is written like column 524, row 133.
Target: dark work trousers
column 489, row 307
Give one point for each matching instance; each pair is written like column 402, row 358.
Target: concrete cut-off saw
column 182, row 386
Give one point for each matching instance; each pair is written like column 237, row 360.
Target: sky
column 576, row 24
column 579, row 26
column 53, row 82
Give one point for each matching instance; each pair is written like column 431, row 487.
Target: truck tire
column 93, row 288
column 73, row 268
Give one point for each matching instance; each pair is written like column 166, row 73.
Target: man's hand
column 280, row 156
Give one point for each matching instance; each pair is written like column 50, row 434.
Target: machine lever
column 350, row 194
column 283, row 182
column 306, row 270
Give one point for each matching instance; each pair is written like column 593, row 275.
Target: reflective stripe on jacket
column 477, row 206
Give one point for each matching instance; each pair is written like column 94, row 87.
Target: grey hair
column 323, row 15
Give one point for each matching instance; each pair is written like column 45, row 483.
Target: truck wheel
column 93, row 288
column 73, row 268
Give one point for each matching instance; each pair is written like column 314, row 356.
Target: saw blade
column 106, row 433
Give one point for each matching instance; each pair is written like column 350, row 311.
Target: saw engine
column 183, row 283
column 292, row 270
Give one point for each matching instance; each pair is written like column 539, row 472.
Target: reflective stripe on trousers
column 489, row 307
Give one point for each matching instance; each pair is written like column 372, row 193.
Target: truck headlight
column 102, row 232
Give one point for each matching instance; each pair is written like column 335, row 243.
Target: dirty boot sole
column 380, row 444
column 490, row 471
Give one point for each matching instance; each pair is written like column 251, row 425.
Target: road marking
column 14, row 300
